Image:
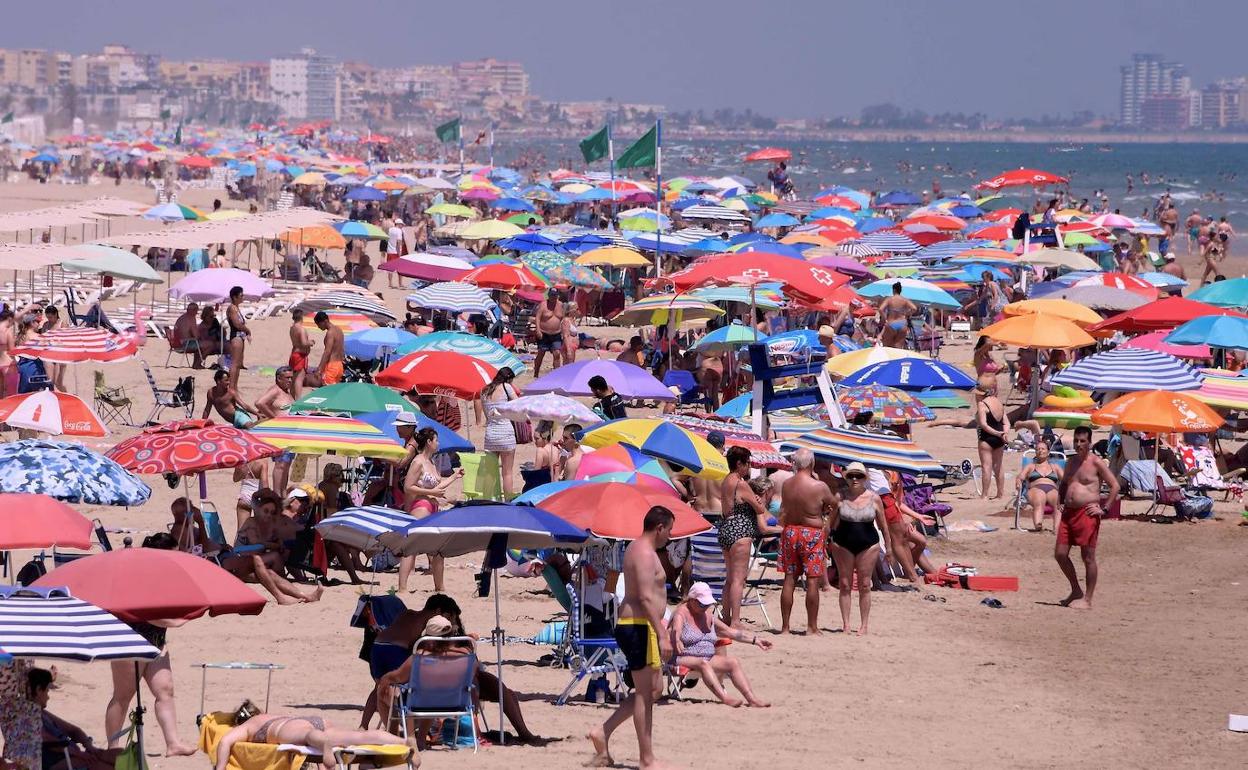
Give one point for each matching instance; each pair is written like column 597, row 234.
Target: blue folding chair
column 593, row 657
column 441, row 687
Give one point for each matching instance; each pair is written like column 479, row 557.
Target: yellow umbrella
column 1038, row 330
column 452, row 210
column 661, row 439
column 217, row 216
column 846, row 364
column 615, row 256
column 658, row 309
column 1061, row 308
column 313, row 178
column 490, row 230
column 576, row 187
column 319, row 237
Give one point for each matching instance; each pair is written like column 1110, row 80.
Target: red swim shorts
column 298, row 361
column 892, row 513
column 802, row 551
column 1078, row 526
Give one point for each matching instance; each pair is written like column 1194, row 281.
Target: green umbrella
column 107, row 260
column 351, row 398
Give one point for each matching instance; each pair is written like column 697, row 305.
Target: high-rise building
column 491, row 76
column 305, row 85
column 1148, row 75
column 1221, row 105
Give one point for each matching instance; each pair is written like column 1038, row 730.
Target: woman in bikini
column 744, row 519
column 856, row 527
column 424, row 489
column 239, row 333
column 304, row 731
column 1043, row 478
column 982, row 357
column 992, row 427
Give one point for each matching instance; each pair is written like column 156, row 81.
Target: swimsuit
column 246, row 489
column 550, row 341
column 262, row 732
column 332, row 374
column 1078, row 526
column 639, row 643
column 897, row 325
column 993, row 441
column 298, row 361
column 802, row 551
column 855, row 530
column 242, row 419
column 739, row 524
column 698, row 643
column 385, row 657
column 1045, row 481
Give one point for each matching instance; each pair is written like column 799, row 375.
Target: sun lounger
column 247, row 755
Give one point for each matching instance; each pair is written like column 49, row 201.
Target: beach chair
column 1020, row 500
column 482, row 478
column 684, row 381
column 1202, row 469
column 441, row 687
column 921, row 498
column 181, row 396
column 590, row 657
column 709, row 568
column 111, row 403
column 176, row 348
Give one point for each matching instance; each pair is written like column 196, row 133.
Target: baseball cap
column 297, row 492
column 855, row 467
column 405, row 418
column 701, row 593
column 827, row 331
column 398, row 221
column 437, row 626
column 1170, row 256
column 716, row 439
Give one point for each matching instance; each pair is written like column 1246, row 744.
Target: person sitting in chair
column 65, row 745
column 696, row 633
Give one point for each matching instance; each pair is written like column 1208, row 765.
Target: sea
column 1212, row 178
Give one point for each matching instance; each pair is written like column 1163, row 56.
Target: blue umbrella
column 1232, row 292
column 777, row 219
column 46, row 157
column 1132, row 369
column 1216, row 331
column 364, row 527
column 871, row 224
column 372, row 343
column 363, row 193
column 512, row 204
column 707, row 246
column 737, row 407
column 898, row 198
column 911, row 374
column 783, row 249
column 448, row 440
column 652, row 242
column 68, row 472
column 749, row 238
column 537, row 494
column 528, row 242
column 966, row 210
column 592, row 195
column 586, row 242
column 49, row 623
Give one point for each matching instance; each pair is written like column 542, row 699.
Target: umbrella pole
column 497, row 635
column 138, row 716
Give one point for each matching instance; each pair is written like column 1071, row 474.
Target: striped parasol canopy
column 471, row 345
column 1223, row 389
column 857, row 249
column 888, row 406
column 1129, row 369
column 49, row 623
column 892, row 243
column 340, row 299
column 453, row 296
column 346, row 320
column 763, row 453
column 886, row 451
column 714, row 213
column 365, row 527
column 321, row 435
column 78, row 344
column 899, row 265
column 658, row 309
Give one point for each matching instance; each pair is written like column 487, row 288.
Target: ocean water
column 1210, row 177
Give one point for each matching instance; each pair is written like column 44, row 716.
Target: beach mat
column 964, row 577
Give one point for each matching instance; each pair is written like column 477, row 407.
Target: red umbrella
column 438, row 373
column 195, row 161
column 503, row 276
column 616, row 510
column 938, row 221
column 769, row 154
column 840, row 201
column 144, row 584
column 1162, row 314
column 51, row 412
column 189, row 446
column 1123, row 281
column 992, row 233
column 1021, row 177
column 39, row 521
column 75, row 344
column 800, row 278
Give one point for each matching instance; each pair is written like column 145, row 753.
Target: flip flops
column 993, row 603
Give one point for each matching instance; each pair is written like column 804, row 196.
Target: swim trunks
column 639, row 643
column 298, row 361
column 892, row 513
column 1078, row 526
column 242, row 419
column 802, row 551
column 550, row 342
column 332, row 374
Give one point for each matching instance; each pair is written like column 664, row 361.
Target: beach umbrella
column 919, row 292
column 898, row 198
column 537, row 495
column 189, row 446
column 1104, row 298
column 891, row 242
column 352, row 301
column 615, row 511
column 364, row 193
column 472, row 345
column 778, row 219
column 763, row 453
column 1059, row 258
column 1113, row 222
column 385, row 421
column 512, row 204
column 888, row 406
column 356, row 229
column 503, row 276
column 68, row 472
column 78, row 344
column 729, row 337
column 662, row 308
column 350, row 398
column 310, row 178
column 1156, row 341
column 427, row 267
column 613, row 256
column 912, row 373
column 317, row 237
column 1216, row 331
column 628, row 380
column 1022, row 177
column 452, row 210
column 1127, row 369
column 1232, row 293
column 798, row 277
column 490, row 230
column 1159, row 411
column 49, row 623
column 845, row 364
column 39, row 521
column 762, row 296
column 769, row 154
column 172, row 212
column 1223, row 390
column 1123, row 281
column 1038, row 330
column 107, row 260
column 1163, row 281
column 527, row 242
column 625, row 464
column 321, row 435
column 363, row 527
column 941, row 398
column 897, row 266
column 438, row 372
column 551, row 407
column 375, row 343
column 886, row 451
column 53, row 413
column 213, row 284
column 1057, row 308
column 661, row 439
column 453, row 296
column 981, row 255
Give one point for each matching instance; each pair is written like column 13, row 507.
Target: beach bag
column 1194, row 507
column 129, row 758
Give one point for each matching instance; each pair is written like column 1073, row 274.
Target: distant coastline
column 1088, row 139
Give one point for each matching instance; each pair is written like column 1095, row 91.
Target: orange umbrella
column 1038, row 330
column 1159, row 411
column 768, row 154
column 319, row 237
column 389, row 185
column 938, row 221
column 811, row 238
column 1061, row 308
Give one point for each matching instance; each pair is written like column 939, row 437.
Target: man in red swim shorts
column 1079, row 520
column 804, row 508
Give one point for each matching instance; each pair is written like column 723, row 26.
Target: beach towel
column 245, row 755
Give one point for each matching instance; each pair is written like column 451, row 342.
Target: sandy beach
column 1146, row 678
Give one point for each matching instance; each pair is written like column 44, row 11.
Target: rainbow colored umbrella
column 320, row 435
column 888, row 406
column 1223, row 389
column 661, row 439
column 1054, row 417
column 354, row 229
column 875, row 450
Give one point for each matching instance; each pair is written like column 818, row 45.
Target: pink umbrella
column 1157, row 341
column 213, row 284
column 78, row 343
column 478, row 194
column 1114, row 222
column 428, row 267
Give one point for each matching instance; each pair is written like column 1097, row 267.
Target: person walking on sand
column 1079, row 518
column 856, row 526
column 641, row 640
column 894, row 315
column 804, row 510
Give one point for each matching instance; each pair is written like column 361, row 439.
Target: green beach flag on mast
column 596, row 146
column 177, row 135
column 8, row 117
column 166, row 114
column 448, row 132
column 642, row 152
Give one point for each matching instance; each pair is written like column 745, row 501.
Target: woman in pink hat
column 699, row 638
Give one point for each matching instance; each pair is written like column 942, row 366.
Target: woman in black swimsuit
column 992, row 426
column 744, row 519
column 856, row 527
column 238, row 333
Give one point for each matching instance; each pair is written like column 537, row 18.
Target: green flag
column 8, row 117
column 642, row 152
column 596, row 146
column 448, row 132
column 177, row 135
column 166, row 114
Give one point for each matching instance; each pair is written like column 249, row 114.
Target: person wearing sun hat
column 856, row 526
column 697, row 633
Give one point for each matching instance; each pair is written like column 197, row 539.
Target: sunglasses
column 854, row 476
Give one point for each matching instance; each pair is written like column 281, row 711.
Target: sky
column 793, row 58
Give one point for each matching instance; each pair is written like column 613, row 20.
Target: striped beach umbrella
column 350, row 301
column 1223, row 389
column 857, row 249
column 364, row 527
column 453, row 296
column 355, row 229
column 714, row 213
column 899, row 265
column 1129, row 369
column 658, row 309
column 886, row 451
column 471, row 345
column 346, row 320
column 892, row 243
column 77, row 344
column 322, row 435
column 49, row 623
column 729, row 337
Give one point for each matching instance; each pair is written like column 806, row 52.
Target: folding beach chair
column 1029, row 458
column 591, row 657
column 483, row 480
column 709, row 568
column 181, row 396
column 441, row 687
column 111, row 403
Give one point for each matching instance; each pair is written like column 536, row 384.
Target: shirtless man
column 632, row 353
column 571, row 462
column 894, row 315
column 394, row 643
column 1079, row 519
column 1192, row 224
column 228, row 403
column 278, row 396
column 186, row 335
column 331, row 359
column 804, row 509
column 300, row 349
column 550, row 332
column 638, row 634
column 1173, row 267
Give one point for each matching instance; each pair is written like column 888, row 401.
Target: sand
column 1145, row 678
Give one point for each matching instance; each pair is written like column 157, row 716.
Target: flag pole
column 611, row 161
column 491, row 144
column 658, row 199
column 460, row 130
